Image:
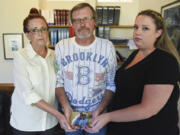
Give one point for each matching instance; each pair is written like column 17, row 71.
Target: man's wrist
column 67, row 107
column 99, row 110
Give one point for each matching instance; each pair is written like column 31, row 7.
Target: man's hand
column 95, row 113
column 63, row 122
column 67, row 112
column 98, row 123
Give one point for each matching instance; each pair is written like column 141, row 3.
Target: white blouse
column 34, row 79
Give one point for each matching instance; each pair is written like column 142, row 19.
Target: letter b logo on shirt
column 83, row 75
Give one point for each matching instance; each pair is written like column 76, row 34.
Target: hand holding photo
column 81, row 119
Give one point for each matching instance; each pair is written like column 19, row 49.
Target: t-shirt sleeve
column 163, row 70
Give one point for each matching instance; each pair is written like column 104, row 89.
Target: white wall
column 13, row 12
column 153, row 4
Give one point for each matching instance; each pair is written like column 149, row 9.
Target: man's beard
column 84, row 35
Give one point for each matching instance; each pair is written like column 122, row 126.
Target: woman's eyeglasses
column 35, row 31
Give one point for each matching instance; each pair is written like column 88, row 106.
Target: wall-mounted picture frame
column 171, row 14
column 11, row 43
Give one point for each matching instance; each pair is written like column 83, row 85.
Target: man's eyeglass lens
column 85, row 19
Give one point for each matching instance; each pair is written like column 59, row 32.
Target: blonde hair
column 163, row 42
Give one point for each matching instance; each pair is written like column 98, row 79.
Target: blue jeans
column 82, row 132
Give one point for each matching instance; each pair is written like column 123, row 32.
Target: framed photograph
column 11, row 43
column 171, row 14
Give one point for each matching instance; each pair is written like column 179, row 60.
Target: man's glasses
column 35, row 31
column 85, row 20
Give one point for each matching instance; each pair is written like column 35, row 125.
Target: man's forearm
column 108, row 94
column 61, row 95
